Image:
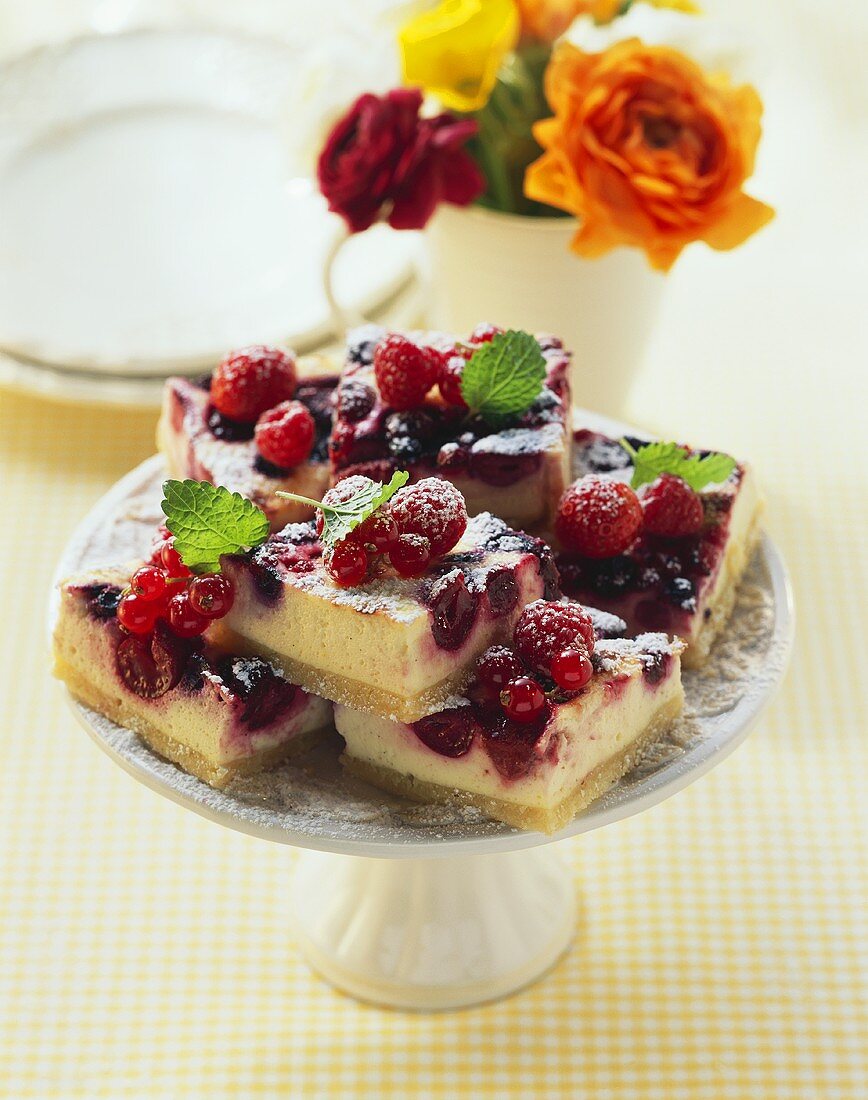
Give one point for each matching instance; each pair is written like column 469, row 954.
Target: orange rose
column 646, row 149
column 548, row 19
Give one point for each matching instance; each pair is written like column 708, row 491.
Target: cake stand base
column 431, row 934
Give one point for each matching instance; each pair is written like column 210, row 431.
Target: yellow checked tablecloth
column 723, row 949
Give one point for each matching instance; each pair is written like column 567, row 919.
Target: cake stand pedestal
column 434, row 907
column 433, row 933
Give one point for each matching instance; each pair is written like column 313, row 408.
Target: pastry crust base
column 544, row 820
column 214, row 773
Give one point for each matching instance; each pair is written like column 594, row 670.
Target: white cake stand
column 435, row 907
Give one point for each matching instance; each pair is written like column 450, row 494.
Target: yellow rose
column 455, row 51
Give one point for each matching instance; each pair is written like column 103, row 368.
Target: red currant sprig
column 166, row 589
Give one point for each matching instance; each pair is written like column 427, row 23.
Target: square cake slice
column 535, row 775
column 199, row 443
column 394, row 645
column 517, row 472
column 215, row 714
column 684, row 586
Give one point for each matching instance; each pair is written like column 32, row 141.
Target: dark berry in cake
column 502, row 590
column 285, row 434
column 251, row 380
column 448, row 732
column 102, row 600
column 355, row 399
column 598, row 517
column 453, row 607
column 151, row 666
column 672, row 509
column 613, row 576
column 681, row 592
column 545, row 629
column 264, row 692
column 404, row 371
column 230, row 431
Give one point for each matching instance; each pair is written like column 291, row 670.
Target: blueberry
column 405, row 448
column 230, row 431
column 681, row 592
column 355, row 399
column 604, row 455
column 614, row 576
column 268, row 469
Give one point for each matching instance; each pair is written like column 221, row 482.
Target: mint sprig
column 503, row 377
column 208, row 520
column 343, row 517
column 654, row 459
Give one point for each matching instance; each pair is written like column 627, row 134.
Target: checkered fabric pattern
column 723, row 945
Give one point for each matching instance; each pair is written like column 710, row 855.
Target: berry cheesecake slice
column 386, row 634
column 215, row 714
column 657, row 534
column 276, row 440
column 400, row 405
column 541, row 731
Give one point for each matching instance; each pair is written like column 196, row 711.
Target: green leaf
column 343, row 517
column 503, row 378
column 207, row 521
column 654, row 459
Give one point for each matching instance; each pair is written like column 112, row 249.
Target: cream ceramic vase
column 519, row 272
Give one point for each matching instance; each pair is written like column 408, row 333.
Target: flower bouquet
column 574, row 131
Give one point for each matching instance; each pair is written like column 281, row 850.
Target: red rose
column 382, row 160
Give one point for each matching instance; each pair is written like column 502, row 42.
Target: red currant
column 378, row 530
column 346, row 563
column 672, row 509
column 523, row 700
column 572, row 669
column 149, row 582
column 137, row 614
column 598, row 517
column 410, row 554
column 184, row 619
column 212, row 595
column 285, row 434
column 252, row 380
column 172, row 562
column 496, row 668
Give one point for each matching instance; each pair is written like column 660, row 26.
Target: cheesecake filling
column 636, row 683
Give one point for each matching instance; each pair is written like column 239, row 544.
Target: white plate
column 149, row 218
column 313, row 804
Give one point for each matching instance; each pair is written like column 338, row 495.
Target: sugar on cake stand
column 425, row 906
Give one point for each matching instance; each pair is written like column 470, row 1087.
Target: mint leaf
column 654, row 459
column 207, row 521
column 342, row 518
column 503, row 377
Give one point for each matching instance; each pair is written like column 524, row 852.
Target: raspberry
column 184, row 620
column 672, row 509
column 252, row 380
column 434, row 509
column 404, row 371
column 598, row 517
column 212, row 595
column 572, row 669
column 355, row 399
column 484, row 333
column 410, row 554
column 523, row 700
column 545, row 629
column 346, row 563
column 496, row 667
column 285, row 434
column 449, row 381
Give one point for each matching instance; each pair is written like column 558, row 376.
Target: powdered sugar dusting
column 520, row 441
column 313, row 800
